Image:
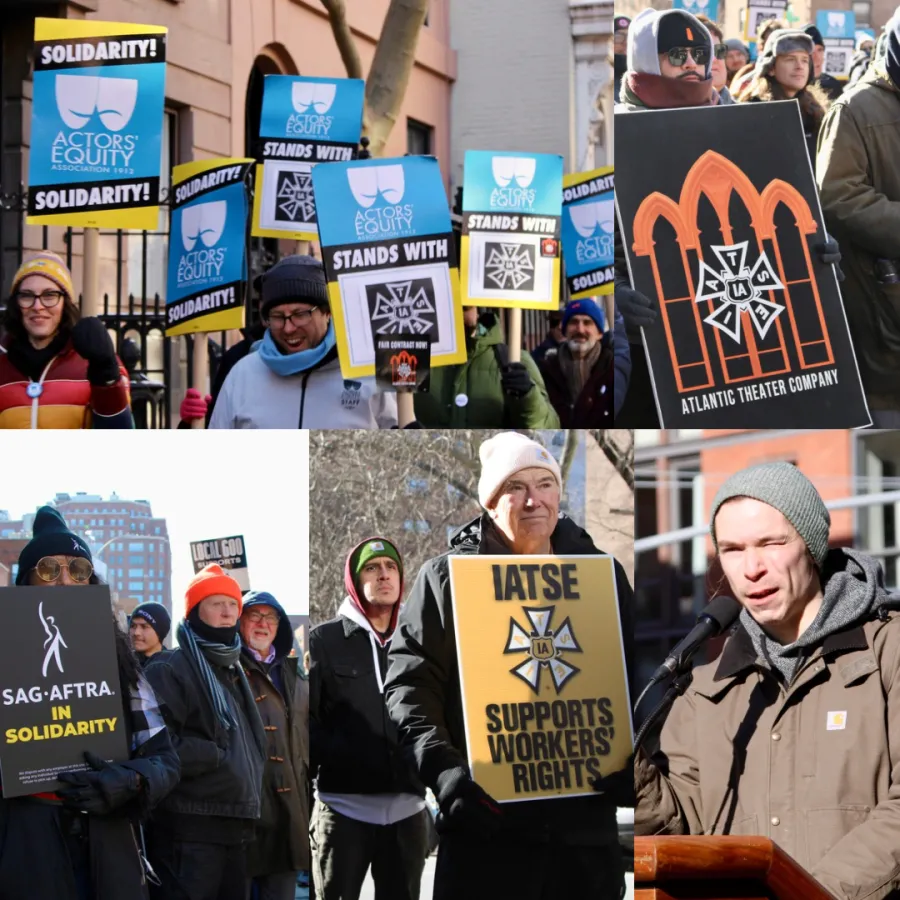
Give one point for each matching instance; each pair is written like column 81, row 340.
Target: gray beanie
column 784, row 487
column 294, row 279
column 784, row 40
column 736, row 44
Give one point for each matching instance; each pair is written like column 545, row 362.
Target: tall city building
column 130, row 546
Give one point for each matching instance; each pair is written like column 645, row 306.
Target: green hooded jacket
column 470, row 395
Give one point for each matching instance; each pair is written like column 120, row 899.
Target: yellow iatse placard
column 542, row 673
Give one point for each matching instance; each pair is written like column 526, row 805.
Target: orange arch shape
column 653, row 207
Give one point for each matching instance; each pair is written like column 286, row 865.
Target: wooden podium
column 719, row 868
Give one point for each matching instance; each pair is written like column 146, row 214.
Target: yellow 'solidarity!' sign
column 542, row 673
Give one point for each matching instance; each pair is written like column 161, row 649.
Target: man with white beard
column 580, row 373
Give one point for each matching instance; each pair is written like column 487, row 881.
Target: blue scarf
column 284, row 364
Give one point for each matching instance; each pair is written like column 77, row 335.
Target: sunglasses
column 49, row 569
column 678, row 55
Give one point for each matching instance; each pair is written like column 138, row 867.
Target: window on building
column 878, row 471
column 134, row 545
column 135, row 585
column 156, row 530
column 419, row 138
column 863, row 12
column 136, row 560
column 135, row 573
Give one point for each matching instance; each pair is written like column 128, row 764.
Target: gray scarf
column 577, row 369
column 853, row 591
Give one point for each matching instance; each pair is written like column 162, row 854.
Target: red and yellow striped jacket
column 67, row 398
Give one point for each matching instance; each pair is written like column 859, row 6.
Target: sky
column 206, row 484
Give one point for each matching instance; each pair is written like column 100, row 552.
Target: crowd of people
column 60, row 370
column 213, row 801
column 668, row 59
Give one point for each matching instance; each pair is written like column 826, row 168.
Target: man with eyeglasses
column 57, row 370
column 281, row 847
column 293, row 378
column 549, row 849
column 370, row 808
column 80, row 841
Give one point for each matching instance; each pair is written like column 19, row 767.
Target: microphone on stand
column 718, row 616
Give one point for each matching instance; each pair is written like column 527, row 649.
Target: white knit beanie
column 507, row 453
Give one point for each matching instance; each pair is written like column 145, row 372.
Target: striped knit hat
column 51, row 266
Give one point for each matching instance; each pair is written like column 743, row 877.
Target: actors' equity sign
column 96, row 124
column 207, row 246
column 752, row 332
column 388, row 250
column 542, row 673
column 588, row 232
column 512, row 206
column 59, row 686
column 838, row 29
column 228, row 552
column 305, row 121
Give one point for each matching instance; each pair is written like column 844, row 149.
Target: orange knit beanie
column 207, row 582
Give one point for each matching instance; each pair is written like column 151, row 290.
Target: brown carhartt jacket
column 814, row 766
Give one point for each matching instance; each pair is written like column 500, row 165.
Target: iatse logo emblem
column 378, row 190
column 311, row 101
column 95, row 109
column 544, row 647
column 201, row 229
column 513, row 176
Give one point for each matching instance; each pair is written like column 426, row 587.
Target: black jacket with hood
column 423, row 690
column 354, row 745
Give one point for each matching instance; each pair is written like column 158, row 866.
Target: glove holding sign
column 465, row 806
column 102, row 789
column 515, row 380
column 91, row 341
column 618, row 786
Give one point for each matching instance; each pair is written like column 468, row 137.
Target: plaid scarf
column 146, row 718
column 577, row 369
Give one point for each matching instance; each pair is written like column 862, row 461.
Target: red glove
column 194, row 406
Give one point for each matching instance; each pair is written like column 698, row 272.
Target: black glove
column 465, row 806
column 102, row 789
column 515, row 380
column 619, row 786
column 829, row 253
column 92, row 342
column 638, row 311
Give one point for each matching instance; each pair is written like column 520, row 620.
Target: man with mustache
column 580, row 373
column 792, row 733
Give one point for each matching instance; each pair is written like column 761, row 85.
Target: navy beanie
column 51, row 538
column 294, row 279
column 586, row 307
column 892, row 55
column 156, row 616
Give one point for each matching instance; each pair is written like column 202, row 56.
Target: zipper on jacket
column 303, row 395
column 34, row 401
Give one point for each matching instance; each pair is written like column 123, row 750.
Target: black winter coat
column 34, row 858
column 221, row 771
column 354, row 745
column 423, row 690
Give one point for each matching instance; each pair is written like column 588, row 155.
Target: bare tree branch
column 391, row 68
column 618, row 445
column 343, row 37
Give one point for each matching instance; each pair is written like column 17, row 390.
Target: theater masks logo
column 95, row 109
column 544, row 648
column 594, row 223
column 379, row 191
column 202, row 225
column 311, row 102
column 513, row 176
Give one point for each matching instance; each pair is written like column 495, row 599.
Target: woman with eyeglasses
column 57, row 370
column 83, row 841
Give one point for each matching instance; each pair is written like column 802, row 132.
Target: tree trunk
column 337, row 15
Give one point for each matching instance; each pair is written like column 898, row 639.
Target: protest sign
column 228, row 552
column 838, row 28
column 304, row 121
column 512, row 206
column 588, row 232
column 542, row 673
column 752, row 331
column 207, row 250
column 708, row 8
column 59, row 686
column 402, row 364
column 96, row 124
column 757, row 12
column 390, row 259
